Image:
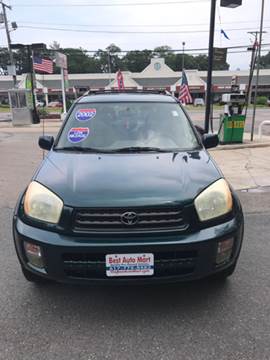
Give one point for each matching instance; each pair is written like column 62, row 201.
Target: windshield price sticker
column 85, row 114
column 129, row 265
column 76, row 135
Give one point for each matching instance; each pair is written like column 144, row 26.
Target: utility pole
column 4, row 6
column 254, row 50
column 210, row 66
column 254, row 55
column 183, row 56
column 258, row 73
column 223, row 3
column 63, row 91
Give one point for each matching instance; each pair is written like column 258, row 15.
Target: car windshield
column 127, row 126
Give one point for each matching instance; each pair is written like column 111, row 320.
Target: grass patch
column 53, row 110
column 4, row 109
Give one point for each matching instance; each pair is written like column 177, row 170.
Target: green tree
column 265, row 61
column 20, row 58
column 109, row 56
column 221, row 66
column 202, row 62
column 55, row 46
column 4, row 60
column 136, row 61
column 80, row 62
column 21, row 61
column 174, row 61
column 163, row 51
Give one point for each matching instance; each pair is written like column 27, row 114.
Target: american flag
column 184, row 95
column 43, row 65
column 120, row 80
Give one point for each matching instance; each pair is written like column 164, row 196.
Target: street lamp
column 14, row 26
column 230, row 3
column 183, row 56
column 224, row 3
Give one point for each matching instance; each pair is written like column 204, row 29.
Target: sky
column 187, row 20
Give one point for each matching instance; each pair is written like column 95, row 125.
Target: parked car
column 199, row 102
column 55, row 104
column 127, row 193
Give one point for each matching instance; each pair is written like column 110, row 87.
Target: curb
column 242, row 146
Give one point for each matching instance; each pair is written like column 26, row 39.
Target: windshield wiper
column 139, row 149
column 81, row 149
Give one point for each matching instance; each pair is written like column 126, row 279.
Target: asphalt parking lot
column 198, row 114
column 202, row 320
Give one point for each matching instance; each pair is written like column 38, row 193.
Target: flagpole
column 109, row 68
column 34, row 80
column 63, row 91
column 30, row 54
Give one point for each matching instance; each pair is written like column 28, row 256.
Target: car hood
column 90, row 180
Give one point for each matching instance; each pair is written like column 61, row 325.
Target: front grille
column 111, row 219
column 92, row 266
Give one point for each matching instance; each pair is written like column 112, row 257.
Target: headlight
column 214, row 201
column 42, row 204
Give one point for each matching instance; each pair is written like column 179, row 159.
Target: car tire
column 29, row 276
column 224, row 274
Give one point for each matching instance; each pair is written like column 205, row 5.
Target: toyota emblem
column 129, row 218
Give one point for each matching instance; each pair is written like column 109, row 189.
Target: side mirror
column 200, row 130
column 210, row 140
column 46, row 142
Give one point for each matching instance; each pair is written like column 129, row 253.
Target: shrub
column 261, row 100
column 42, row 112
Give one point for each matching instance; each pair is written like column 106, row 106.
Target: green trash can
column 232, row 129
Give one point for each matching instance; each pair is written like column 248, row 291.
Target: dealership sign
column 220, row 55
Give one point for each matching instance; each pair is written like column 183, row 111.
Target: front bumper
column 180, row 257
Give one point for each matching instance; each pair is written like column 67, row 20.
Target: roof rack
column 128, row 91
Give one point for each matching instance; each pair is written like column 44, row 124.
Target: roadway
column 203, row 320
column 198, row 116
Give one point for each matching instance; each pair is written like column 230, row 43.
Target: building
column 157, row 75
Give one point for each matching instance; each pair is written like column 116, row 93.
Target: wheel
column 224, row 274
column 29, row 276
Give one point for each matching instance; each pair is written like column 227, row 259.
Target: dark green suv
column 127, row 193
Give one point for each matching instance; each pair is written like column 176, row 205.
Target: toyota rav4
column 127, row 192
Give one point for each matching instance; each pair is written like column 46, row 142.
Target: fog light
column 224, row 251
column 33, row 254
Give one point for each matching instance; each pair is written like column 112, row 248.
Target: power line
column 179, row 2
column 132, row 25
column 127, row 32
column 244, row 51
column 191, row 51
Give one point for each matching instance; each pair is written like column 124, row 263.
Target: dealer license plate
column 129, row 265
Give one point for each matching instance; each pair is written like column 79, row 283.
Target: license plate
column 129, row 265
